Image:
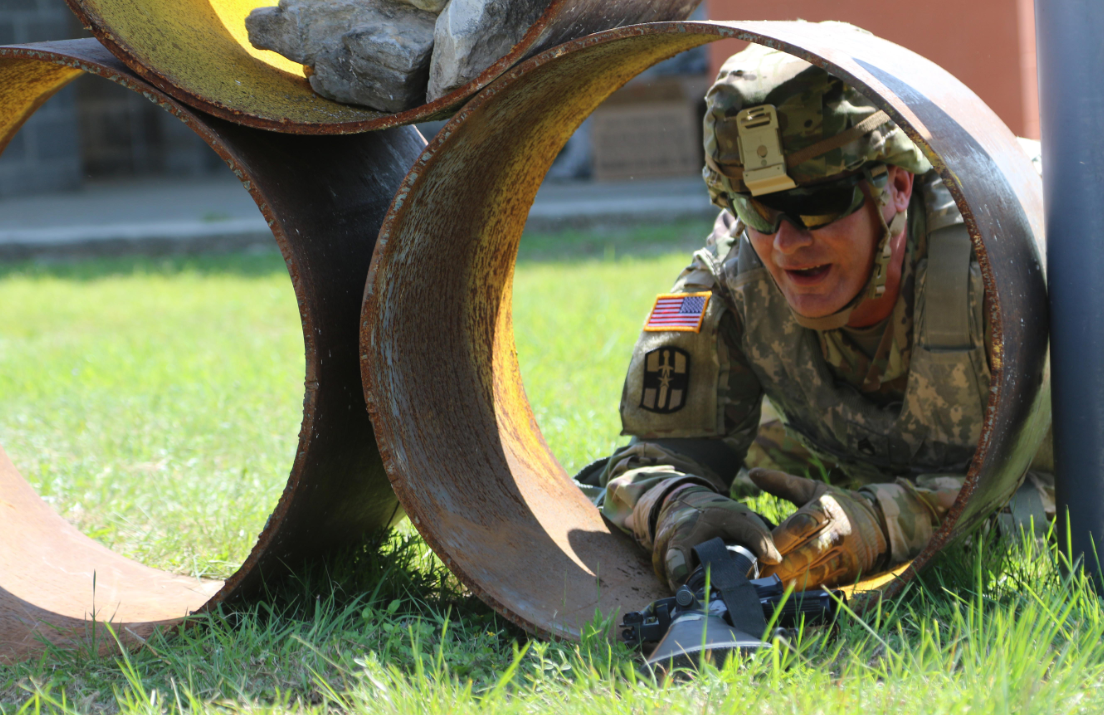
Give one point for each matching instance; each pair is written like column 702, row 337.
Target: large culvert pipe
column 459, row 439
column 324, row 198
column 197, row 52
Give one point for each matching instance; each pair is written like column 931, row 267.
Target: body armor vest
column 937, row 424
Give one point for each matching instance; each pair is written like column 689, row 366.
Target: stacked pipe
column 480, row 467
column 392, row 55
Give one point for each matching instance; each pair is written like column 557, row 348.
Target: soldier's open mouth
column 809, row 275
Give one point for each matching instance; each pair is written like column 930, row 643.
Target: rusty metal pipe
column 197, row 51
column 324, row 198
column 459, row 440
column 1071, row 101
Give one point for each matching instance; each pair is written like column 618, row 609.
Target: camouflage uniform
column 894, row 410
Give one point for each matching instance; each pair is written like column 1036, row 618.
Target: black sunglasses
column 808, row 207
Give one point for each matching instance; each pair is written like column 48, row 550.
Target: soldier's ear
column 900, row 185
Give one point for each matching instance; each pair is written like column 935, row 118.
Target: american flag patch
column 678, row 311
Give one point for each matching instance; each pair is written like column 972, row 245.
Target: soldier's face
column 820, row 271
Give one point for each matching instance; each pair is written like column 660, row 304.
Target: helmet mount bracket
column 760, row 142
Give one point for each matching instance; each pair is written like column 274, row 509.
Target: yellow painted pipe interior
column 201, row 46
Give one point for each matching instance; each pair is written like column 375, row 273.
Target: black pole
column 1071, row 102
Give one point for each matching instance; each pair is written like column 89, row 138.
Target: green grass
column 142, row 398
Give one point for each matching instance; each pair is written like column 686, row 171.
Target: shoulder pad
column 671, row 386
column 939, row 206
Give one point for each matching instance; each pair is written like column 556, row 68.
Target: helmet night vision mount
column 761, row 149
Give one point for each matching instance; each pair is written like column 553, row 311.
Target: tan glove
column 690, row 514
column 835, row 535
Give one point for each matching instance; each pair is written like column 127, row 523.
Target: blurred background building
column 988, row 44
column 95, row 131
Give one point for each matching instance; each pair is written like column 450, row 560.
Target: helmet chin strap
column 876, row 285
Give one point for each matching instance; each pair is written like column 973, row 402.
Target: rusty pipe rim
column 336, row 490
column 459, row 441
column 197, row 52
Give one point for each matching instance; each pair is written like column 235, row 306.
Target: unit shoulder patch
column 666, row 380
column 680, row 312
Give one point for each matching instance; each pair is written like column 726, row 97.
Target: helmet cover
column 811, row 106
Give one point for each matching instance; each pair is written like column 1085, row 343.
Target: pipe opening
column 459, row 438
column 336, row 491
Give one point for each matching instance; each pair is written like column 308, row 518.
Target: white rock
column 472, row 34
column 374, row 53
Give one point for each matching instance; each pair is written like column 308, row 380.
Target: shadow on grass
column 567, row 246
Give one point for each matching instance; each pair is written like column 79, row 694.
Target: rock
column 276, row 29
column 374, row 53
column 472, row 34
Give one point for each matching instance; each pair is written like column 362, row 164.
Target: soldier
column 839, row 282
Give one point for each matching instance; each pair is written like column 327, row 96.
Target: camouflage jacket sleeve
column 912, row 510
column 706, row 438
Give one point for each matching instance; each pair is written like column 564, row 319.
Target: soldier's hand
column 835, row 535
column 692, row 514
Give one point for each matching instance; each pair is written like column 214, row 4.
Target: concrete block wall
column 45, row 154
column 93, row 129
column 123, row 134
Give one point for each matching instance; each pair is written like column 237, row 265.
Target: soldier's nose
column 789, row 238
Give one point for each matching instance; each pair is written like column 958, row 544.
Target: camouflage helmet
column 825, row 127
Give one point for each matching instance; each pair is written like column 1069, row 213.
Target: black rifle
column 680, row 630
